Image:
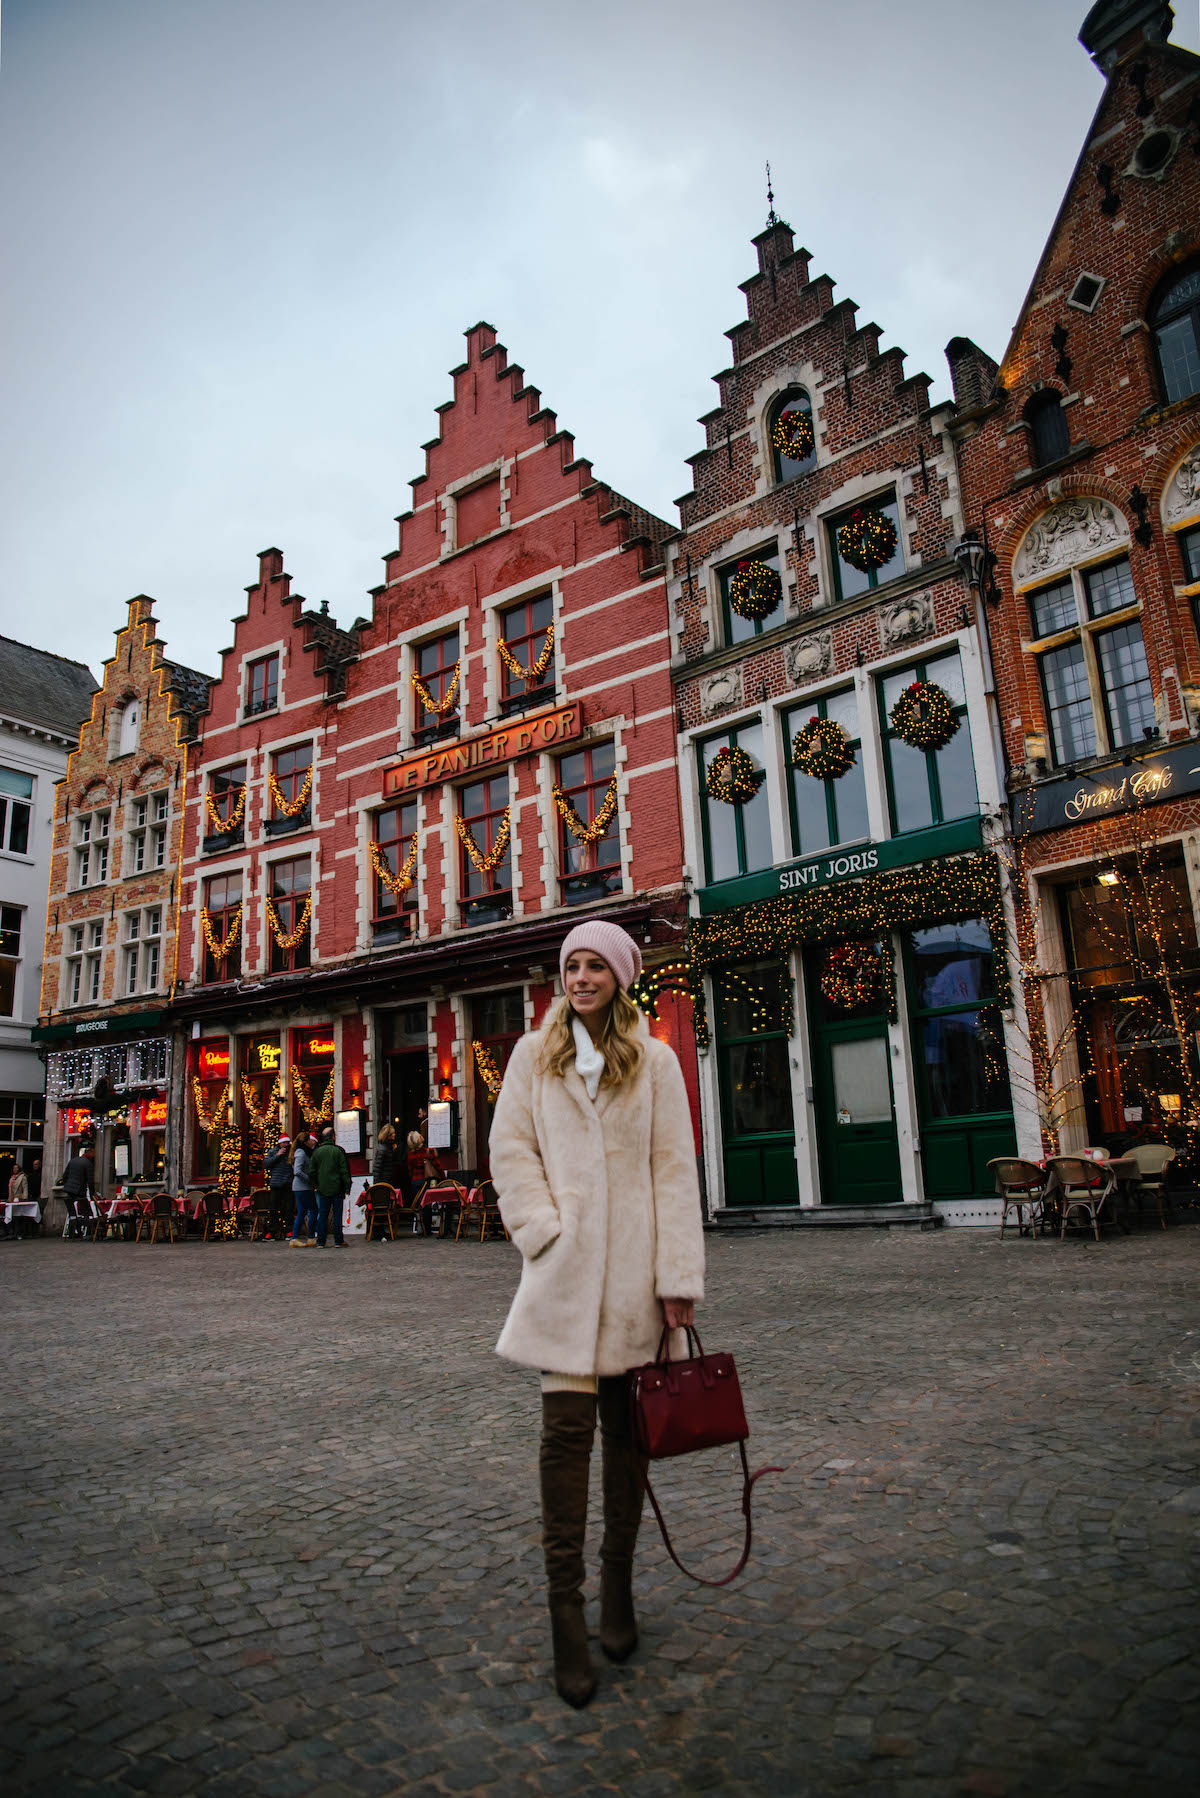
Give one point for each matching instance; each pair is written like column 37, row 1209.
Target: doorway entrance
column 405, row 1038
column 852, row 1076
column 497, row 1026
column 758, row 1133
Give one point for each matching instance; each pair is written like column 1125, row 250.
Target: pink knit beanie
column 615, row 945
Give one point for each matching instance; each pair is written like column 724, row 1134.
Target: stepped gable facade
column 812, row 928
column 1080, row 468
column 112, row 942
column 377, row 869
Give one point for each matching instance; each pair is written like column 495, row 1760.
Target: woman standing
column 391, row 1167
column 594, row 1162
column 302, row 1189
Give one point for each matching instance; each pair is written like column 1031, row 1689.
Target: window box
column 491, row 908
column 578, row 889
column 282, row 827
column 215, row 844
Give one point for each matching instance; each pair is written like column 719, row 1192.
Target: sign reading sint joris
column 524, row 736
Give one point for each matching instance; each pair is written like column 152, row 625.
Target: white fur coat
column 602, row 1201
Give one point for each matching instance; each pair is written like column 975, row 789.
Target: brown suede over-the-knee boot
column 568, row 1429
column 624, row 1477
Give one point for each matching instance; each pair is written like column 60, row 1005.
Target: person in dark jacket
column 279, row 1177
column 330, row 1174
column 79, row 1178
column 390, row 1166
column 304, row 1229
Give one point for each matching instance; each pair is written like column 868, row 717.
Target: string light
column 395, row 883
column 732, row 777
column 484, row 864
column 289, row 939
column 259, row 1118
column 924, row 715
column 489, row 1073
column 587, row 833
column 755, row 590
column 674, row 977
column 311, row 1113
column 850, row 977
column 210, row 1122
column 219, row 950
column 443, row 705
column 223, row 826
column 822, row 749
column 290, row 808
column 793, row 436
column 533, row 674
column 867, row 539
column 229, row 1165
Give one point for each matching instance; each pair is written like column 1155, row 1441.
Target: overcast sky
column 242, row 239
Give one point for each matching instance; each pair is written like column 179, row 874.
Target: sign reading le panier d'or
column 524, row 736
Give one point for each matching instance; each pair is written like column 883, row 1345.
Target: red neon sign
column 320, row 1045
column 154, row 1113
column 214, row 1063
column 77, row 1121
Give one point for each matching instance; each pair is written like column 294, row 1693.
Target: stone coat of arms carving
column 1073, row 531
column 807, row 657
column 719, row 691
column 1183, row 495
column 910, row 617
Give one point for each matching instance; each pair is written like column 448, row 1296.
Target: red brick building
column 390, row 829
column 849, row 925
column 1080, row 469
column 113, row 909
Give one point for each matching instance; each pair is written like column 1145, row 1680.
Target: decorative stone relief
column 719, row 691
column 1183, row 495
column 1070, row 532
column 807, row 657
column 910, row 617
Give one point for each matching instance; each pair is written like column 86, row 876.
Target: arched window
column 1175, row 322
column 1048, row 425
column 783, row 466
column 125, row 726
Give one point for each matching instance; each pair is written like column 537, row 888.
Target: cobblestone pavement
column 269, row 1527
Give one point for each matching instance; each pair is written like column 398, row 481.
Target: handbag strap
column 748, row 1480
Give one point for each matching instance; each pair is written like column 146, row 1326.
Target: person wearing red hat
column 594, row 1162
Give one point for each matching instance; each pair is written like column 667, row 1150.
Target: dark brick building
column 1080, row 470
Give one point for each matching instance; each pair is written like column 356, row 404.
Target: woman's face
column 590, row 983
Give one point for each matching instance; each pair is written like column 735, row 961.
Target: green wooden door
column 753, row 1012
column 852, row 1092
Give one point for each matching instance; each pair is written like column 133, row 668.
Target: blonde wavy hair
column 618, row 1043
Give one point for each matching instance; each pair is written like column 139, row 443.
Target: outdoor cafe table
column 1120, row 1174
column 23, row 1208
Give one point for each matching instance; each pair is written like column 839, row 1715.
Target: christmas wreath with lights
column 755, row 590
column 924, row 715
column 867, row 539
column 822, row 749
column 732, row 777
column 793, row 436
column 850, row 977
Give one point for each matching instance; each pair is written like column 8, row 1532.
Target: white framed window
column 141, row 950
column 148, row 832
column 91, row 848
column 16, row 807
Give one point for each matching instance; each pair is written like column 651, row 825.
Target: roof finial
column 772, row 221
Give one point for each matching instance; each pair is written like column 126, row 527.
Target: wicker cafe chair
column 439, row 1195
column 1021, row 1186
column 1082, row 1187
column 481, row 1204
column 381, row 1211
column 1153, row 1159
column 159, row 1215
column 262, row 1212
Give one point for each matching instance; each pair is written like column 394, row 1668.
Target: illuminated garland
column 755, row 590
column 964, row 887
column 822, row 750
column 867, row 539
column 214, row 1119
column 924, row 716
column 259, row 1118
column 850, row 977
column 222, row 826
column 289, row 939
column 539, row 668
column 395, row 883
column 732, row 777
column 793, row 436
column 587, row 833
column 229, row 1169
column 673, row 977
column 426, row 697
column 310, row 1113
column 489, row 1073
column 219, row 950
column 484, row 864
column 290, row 808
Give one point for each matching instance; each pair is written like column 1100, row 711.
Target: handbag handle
column 663, row 1352
column 748, row 1480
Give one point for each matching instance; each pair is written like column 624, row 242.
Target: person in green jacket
column 329, row 1172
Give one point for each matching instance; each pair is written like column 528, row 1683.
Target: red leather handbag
column 678, row 1407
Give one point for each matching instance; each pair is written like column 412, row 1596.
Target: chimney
column 972, row 373
column 1115, row 29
